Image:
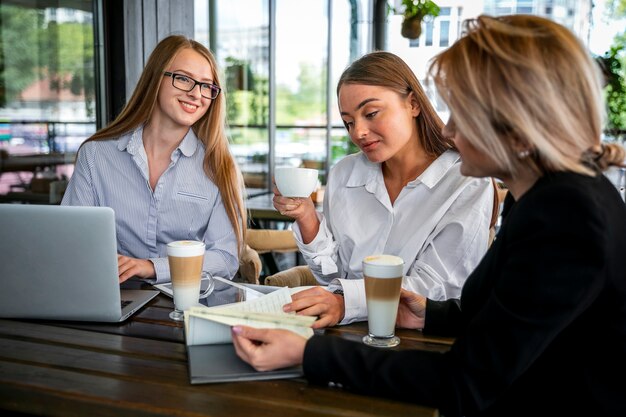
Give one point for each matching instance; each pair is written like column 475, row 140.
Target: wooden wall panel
column 146, row 23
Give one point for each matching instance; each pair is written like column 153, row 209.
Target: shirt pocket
column 192, row 207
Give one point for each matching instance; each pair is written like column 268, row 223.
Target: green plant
column 414, row 12
column 420, row 8
column 341, row 147
column 612, row 64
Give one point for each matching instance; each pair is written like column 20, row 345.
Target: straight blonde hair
column 219, row 164
column 523, row 78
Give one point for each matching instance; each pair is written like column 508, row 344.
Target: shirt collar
column 132, row 142
column 437, row 170
column 189, row 144
column 365, row 172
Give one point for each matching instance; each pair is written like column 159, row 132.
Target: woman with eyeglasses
column 541, row 323
column 164, row 166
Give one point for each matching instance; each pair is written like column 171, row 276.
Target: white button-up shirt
column 185, row 204
column 439, row 225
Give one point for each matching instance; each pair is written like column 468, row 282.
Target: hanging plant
column 414, row 13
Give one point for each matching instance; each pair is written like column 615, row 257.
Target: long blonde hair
column 526, row 79
column 385, row 69
column 219, row 164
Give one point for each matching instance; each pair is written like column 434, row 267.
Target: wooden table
column 139, row 368
column 25, row 197
column 32, row 162
column 261, row 208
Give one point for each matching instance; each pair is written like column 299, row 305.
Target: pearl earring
column 523, row 154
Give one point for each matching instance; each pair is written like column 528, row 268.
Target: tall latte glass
column 185, row 259
column 383, row 280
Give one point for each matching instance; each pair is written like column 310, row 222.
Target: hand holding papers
column 211, row 355
column 209, row 325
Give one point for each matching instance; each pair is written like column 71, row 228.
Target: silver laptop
column 60, row 263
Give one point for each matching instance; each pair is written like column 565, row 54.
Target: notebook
column 220, row 363
column 211, row 354
column 60, row 263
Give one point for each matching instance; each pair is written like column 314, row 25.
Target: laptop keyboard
column 125, row 303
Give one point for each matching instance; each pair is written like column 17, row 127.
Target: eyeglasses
column 185, row 83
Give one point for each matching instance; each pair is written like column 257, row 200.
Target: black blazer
column 541, row 325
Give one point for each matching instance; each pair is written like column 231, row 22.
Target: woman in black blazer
column 541, row 324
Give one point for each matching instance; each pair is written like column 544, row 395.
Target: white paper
column 209, row 325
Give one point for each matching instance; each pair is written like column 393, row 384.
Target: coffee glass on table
column 296, row 182
column 383, row 280
column 186, row 259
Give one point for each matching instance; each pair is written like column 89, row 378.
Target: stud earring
column 523, row 154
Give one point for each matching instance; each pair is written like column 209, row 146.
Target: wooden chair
column 261, row 244
column 250, row 266
column 296, row 276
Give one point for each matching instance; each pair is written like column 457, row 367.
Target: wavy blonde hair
column 219, row 164
column 385, row 69
column 526, row 79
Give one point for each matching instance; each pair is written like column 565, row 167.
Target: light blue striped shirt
column 185, row 205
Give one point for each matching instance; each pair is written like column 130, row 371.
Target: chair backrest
column 269, row 240
column 261, row 242
column 250, row 265
column 296, row 276
column 57, row 190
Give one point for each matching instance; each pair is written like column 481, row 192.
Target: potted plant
column 414, row 12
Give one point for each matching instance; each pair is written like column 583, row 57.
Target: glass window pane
column 343, row 54
column 301, row 56
column 242, row 47
column 47, row 87
column 448, row 28
column 341, row 145
column 444, row 33
column 242, row 51
column 249, row 146
column 428, row 29
column 301, row 74
column 301, row 146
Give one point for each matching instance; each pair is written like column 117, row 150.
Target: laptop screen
column 59, row 262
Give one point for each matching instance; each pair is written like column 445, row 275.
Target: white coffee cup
column 295, row 182
column 185, row 259
column 383, row 281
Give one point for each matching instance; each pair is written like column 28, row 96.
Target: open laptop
column 60, row 263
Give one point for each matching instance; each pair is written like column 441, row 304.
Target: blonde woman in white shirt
column 403, row 194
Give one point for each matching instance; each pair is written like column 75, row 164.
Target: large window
column 47, row 88
column 588, row 19
column 281, row 60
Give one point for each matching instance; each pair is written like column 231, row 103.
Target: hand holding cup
column 296, row 182
column 292, row 194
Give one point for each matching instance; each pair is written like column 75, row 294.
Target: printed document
column 211, row 325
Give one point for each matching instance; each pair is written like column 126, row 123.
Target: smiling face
column 380, row 121
column 177, row 108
